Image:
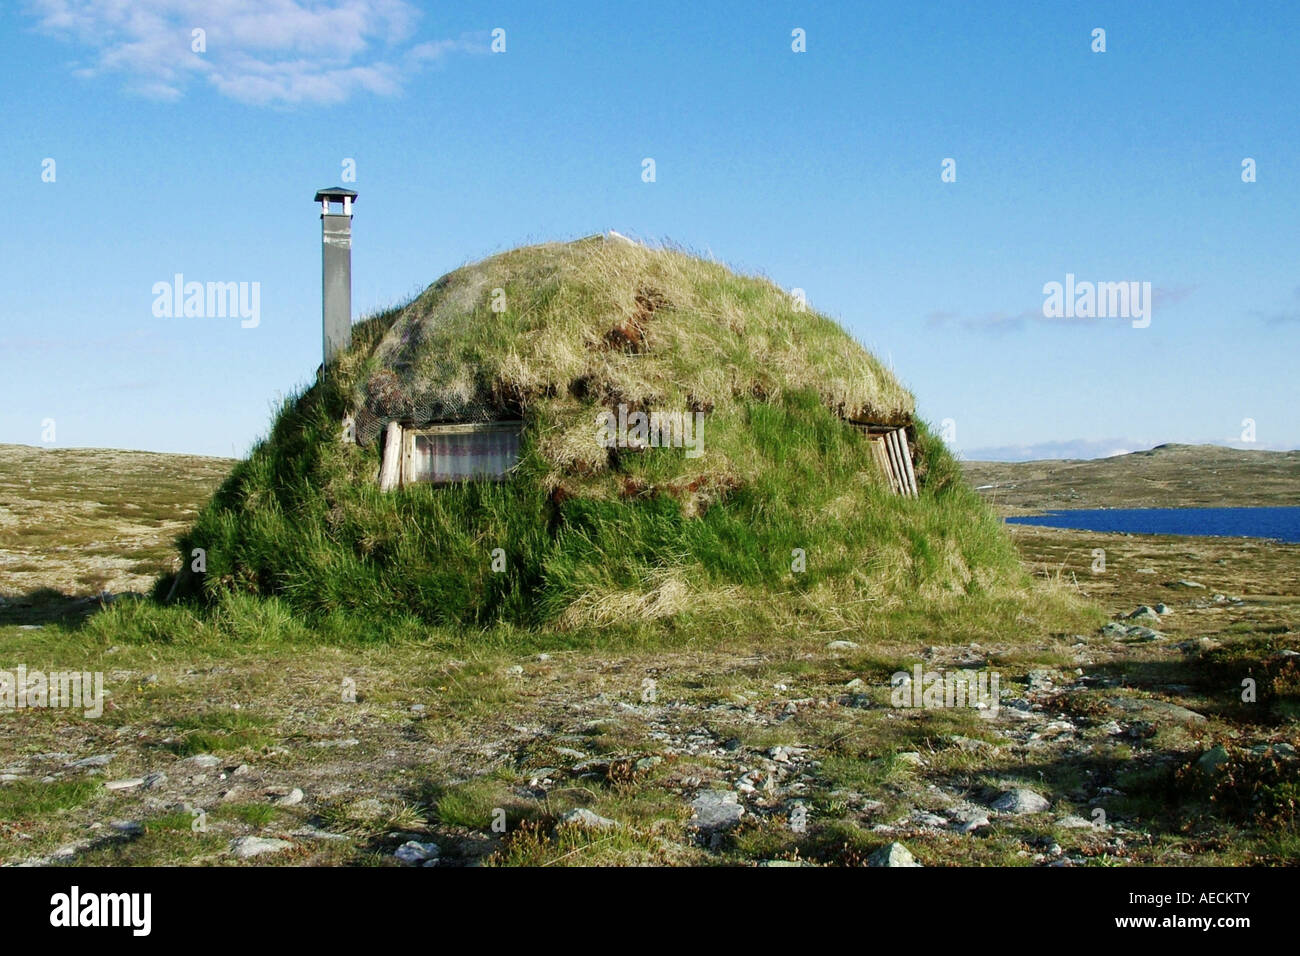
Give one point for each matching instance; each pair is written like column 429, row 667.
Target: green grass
column 254, row 814
column 31, row 799
column 475, row 804
column 220, row 732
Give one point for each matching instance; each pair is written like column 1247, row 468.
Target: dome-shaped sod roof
column 564, row 327
column 781, row 507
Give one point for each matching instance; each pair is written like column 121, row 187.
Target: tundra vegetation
column 650, row 680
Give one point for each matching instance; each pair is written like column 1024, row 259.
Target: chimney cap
column 334, row 194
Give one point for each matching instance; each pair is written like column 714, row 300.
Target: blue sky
column 819, row 169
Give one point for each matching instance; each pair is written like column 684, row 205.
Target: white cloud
column 264, row 52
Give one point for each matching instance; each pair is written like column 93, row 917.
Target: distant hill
column 85, row 520
column 1167, row 476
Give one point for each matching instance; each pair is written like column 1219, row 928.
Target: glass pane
column 460, row 456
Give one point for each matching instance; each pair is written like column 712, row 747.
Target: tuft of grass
column 33, row 800
column 254, row 814
column 371, row 816
column 531, row 845
column 475, row 803
column 219, row 732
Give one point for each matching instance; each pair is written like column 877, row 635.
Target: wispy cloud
column 991, row 323
column 263, row 52
column 1289, row 313
column 1002, row 322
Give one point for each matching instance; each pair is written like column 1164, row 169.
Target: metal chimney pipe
column 336, row 270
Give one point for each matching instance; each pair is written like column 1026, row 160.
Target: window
column 465, row 452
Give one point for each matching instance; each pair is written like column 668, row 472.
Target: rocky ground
column 1128, row 745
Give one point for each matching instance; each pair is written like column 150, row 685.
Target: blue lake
column 1280, row 523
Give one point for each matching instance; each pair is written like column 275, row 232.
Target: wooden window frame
column 410, row 433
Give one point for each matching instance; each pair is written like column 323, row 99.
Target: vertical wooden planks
column 882, row 461
column 893, row 455
column 390, row 468
column 906, row 474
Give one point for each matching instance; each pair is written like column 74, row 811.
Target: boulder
column 893, row 854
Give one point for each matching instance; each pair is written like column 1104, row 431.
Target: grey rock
column 1150, row 708
column 648, row 763
column 1039, row 681
column 1019, row 709
column 154, row 780
column 202, row 761
column 99, row 760
column 716, row 810
column 415, row 851
column 1144, row 613
column 1072, row 821
column 968, row 819
column 1213, row 760
column 894, row 854
column 1021, row 800
column 311, row 833
column 291, row 799
column 582, row 817
column 925, row 818
column 249, row 846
